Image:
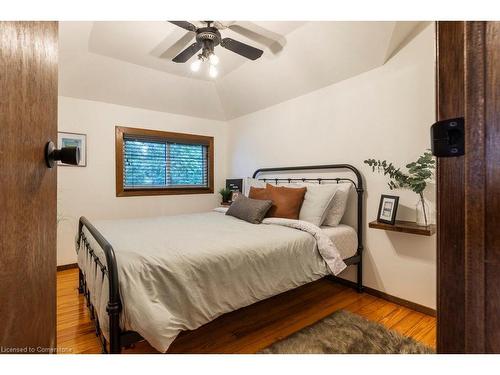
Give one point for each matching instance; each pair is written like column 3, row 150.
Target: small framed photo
column 387, row 209
column 234, row 184
column 65, row 139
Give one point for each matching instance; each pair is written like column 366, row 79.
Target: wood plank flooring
column 250, row 329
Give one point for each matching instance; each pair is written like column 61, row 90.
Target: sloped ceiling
column 129, row 63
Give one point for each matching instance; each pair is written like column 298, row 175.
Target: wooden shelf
column 405, row 227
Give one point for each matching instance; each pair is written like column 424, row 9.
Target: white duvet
column 179, row 272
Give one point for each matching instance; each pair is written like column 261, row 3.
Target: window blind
column 163, row 163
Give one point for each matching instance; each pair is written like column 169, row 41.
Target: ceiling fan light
column 195, row 66
column 214, row 59
column 212, row 71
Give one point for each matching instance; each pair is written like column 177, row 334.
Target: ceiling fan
column 207, row 38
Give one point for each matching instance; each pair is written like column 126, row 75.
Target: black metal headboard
column 358, row 185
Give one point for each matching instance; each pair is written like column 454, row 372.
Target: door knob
column 67, row 155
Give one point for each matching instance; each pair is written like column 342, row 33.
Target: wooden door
column 468, row 82
column 28, row 119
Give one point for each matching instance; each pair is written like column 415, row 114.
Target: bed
column 152, row 278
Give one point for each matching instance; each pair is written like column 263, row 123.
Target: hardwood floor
column 249, row 329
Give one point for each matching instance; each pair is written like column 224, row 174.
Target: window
column 150, row 162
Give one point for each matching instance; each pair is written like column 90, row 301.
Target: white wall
column 384, row 113
column 90, row 191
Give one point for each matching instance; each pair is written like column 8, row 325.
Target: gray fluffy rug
column 344, row 332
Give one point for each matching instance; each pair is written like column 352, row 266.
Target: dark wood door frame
column 468, row 189
column 28, row 119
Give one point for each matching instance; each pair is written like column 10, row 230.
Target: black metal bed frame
column 118, row 338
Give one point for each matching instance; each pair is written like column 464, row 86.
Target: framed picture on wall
column 387, row 209
column 65, row 139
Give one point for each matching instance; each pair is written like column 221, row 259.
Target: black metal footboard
column 109, row 269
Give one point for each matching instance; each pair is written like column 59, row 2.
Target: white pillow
column 249, row 181
column 317, row 200
column 338, row 205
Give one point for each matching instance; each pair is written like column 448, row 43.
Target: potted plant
column 225, row 194
column 416, row 178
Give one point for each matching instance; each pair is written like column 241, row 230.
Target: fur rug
column 344, row 332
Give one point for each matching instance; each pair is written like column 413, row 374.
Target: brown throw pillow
column 258, row 193
column 286, row 201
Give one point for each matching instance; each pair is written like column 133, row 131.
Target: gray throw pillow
column 251, row 210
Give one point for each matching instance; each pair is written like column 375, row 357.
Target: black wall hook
column 67, row 155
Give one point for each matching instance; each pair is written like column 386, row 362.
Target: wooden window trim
column 121, row 131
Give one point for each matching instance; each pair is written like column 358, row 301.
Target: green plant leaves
column 225, row 193
column 419, row 172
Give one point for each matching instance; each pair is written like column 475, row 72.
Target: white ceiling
column 129, row 63
column 154, row 44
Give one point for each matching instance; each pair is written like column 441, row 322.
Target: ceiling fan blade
column 260, row 35
column 173, row 44
column 187, row 53
column 185, row 25
column 242, row 49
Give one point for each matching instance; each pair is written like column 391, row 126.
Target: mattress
column 345, row 239
column 179, row 272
